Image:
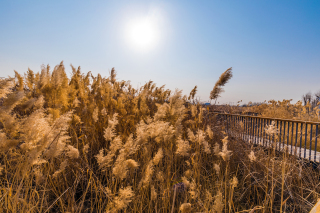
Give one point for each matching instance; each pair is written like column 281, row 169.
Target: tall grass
column 96, row 144
column 286, row 110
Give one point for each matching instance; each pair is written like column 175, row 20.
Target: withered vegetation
column 95, row 144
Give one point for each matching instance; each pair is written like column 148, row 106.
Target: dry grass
column 94, row 144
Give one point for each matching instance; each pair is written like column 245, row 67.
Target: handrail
column 269, row 118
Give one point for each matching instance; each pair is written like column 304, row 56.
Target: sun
column 143, row 33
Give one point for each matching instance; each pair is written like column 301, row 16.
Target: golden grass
column 94, row 144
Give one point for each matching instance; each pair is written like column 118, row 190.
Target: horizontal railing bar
column 268, row 118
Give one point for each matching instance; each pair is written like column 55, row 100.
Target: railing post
column 253, row 130
column 259, row 125
column 300, row 139
column 291, row 136
column 247, row 128
column 263, row 132
column 283, row 134
column 244, row 128
column 295, row 146
column 256, row 130
column 310, row 146
column 271, row 137
column 227, row 119
column 305, row 140
column 315, row 144
column 288, row 135
column 277, row 134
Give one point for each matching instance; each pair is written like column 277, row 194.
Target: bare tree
column 307, row 98
column 312, row 99
column 317, row 95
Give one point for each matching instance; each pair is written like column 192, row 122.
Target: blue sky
column 273, row 46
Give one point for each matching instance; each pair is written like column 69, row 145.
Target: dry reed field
column 94, row 144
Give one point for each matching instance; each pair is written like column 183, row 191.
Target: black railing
column 297, row 137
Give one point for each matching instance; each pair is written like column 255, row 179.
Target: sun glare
column 143, row 33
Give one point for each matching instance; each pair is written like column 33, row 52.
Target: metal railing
column 299, row 138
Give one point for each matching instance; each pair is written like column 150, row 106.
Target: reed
column 95, row 144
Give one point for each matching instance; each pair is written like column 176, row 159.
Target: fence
column 298, row 137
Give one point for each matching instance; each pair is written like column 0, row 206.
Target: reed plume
column 185, row 207
column 192, row 93
column 223, row 79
